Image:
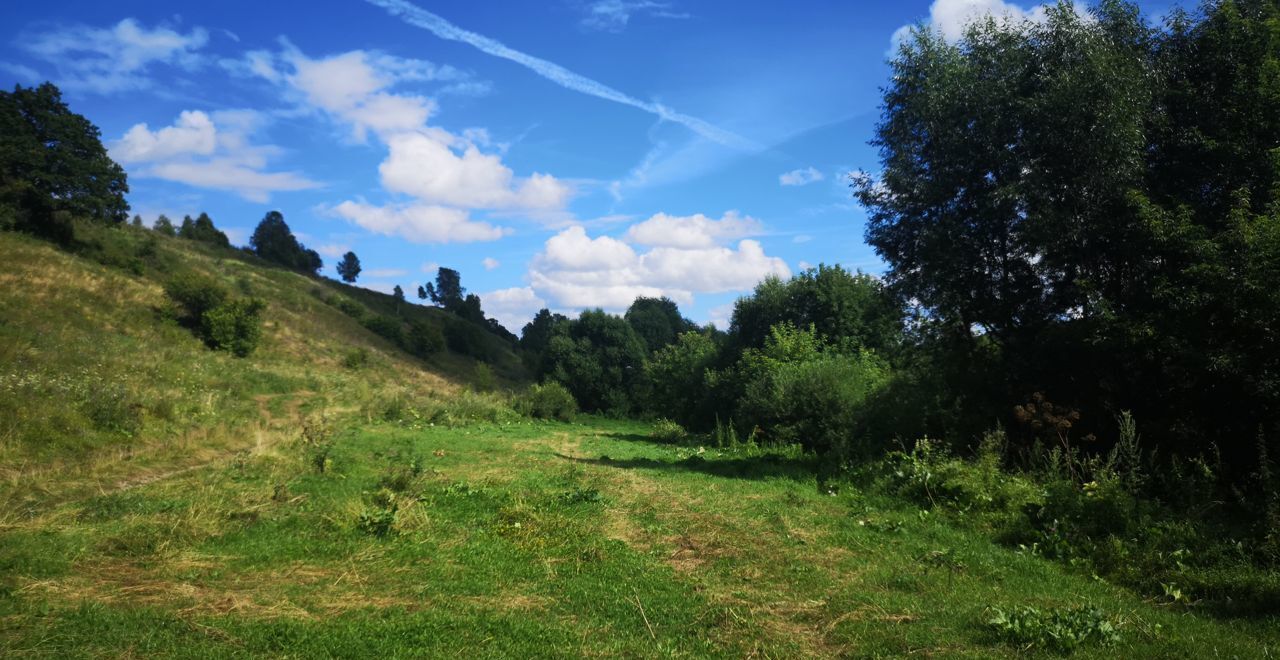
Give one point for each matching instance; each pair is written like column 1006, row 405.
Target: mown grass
column 532, row 539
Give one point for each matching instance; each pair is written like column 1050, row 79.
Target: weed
column 1058, row 629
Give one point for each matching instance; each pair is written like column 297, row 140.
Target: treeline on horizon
column 1081, row 220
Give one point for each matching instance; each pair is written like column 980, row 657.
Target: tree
column 447, row 291
column 203, row 230
column 349, row 268
column 398, row 294
column 848, row 309
column 1091, row 207
column 137, row 220
column 657, row 321
column 422, row 292
column 53, row 166
column 272, row 240
column 470, row 309
column 600, row 359
column 164, row 226
column 188, row 228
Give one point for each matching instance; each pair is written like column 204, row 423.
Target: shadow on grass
column 755, row 467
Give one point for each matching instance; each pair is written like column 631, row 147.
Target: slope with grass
column 525, row 539
column 101, row 387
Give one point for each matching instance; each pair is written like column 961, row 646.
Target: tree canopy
column 53, row 166
column 349, row 269
column 272, row 240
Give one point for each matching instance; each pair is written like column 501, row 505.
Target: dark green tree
column 137, row 220
column 203, row 230
column 187, row 229
column 448, row 291
column 164, row 226
column 272, row 240
column 600, row 359
column 349, row 268
column 470, row 309
column 657, row 321
column 53, row 167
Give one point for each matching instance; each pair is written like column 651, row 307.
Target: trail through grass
column 535, row 540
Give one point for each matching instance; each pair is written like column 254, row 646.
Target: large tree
column 349, row 268
column 600, row 359
column 53, row 166
column 1095, row 204
column 272, row 240
column 657, row 321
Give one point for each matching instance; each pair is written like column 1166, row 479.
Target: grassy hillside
column 331, row 495
column 543, row 540
column 99, row 384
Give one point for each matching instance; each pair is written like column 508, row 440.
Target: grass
column 542, row 540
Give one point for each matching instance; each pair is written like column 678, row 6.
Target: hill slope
column 101, row 385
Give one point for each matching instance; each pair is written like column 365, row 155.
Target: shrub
column 929, row 475
column 225, row 323
column 483, row 377
column 549, row 400
column 665, row 430
column 385, row 327
column 235, row 326
column 356, row 358
column 424, row 340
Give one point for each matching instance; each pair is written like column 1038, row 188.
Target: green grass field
column 534, row 540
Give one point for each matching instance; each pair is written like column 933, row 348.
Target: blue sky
column 566, row 153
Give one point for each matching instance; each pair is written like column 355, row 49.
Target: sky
column 566, row 154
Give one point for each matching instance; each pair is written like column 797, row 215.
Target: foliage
column 665, row 430
column 548, row 400
column 349, row 267
column 657, row 321
column 235, row 325
column 1096, row 199
column 1058, row 629
column 676, row 380
column 386, row 327
column 424, row 339
column 53, row 166
column 272, row 240
column 599, row 358
column 202, row 229
column 849, row 310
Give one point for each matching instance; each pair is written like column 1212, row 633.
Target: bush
column 225, row 323
column 665, row 430
column 930, row 476
column 547, row 401
column 356, row 358
column 385, row 327
column 424, row 339
column 235, row 326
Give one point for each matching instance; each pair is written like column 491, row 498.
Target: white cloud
column 386, row 272
column 802, row 177
column 694, row 231
column 578, row 271
column 430, row 267
column 425, row 165
column 512, row 307
column 490, row 263
column 614, row 15
column 802, row 238
column 446, row 175
column 419, row 223
column 721, row 315
column 333, row 251
column 109, row 60
column 193, row 134
column 197, row 152
column 21, row 71
column 950, row 17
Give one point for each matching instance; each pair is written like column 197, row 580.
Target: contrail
column 417, row 16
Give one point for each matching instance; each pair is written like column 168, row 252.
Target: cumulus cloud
column 614, row 15
column 446, row 175
column 576, row 270
column 490, row 263
column 694, row 231
column 420, row 223
column 512, row 307
column 207, row 151
column 116, row 59
column 950, row 17
column 802, row 177
column 426, row 165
